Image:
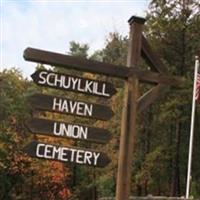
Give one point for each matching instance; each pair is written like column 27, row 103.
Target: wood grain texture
column 129, row 114
column 151, row 96
column 65, row 61
column 152, row 58
column 65, row 154
column 47, row 127
column 46, row 103
column 73, row 83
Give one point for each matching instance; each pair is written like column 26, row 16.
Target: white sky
column 51, row 25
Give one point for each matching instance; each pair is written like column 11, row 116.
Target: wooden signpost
column 68, row 130
column 129, row 115
column 73, row 83
column 66, row 154
column 69, row 106
column 138, row 46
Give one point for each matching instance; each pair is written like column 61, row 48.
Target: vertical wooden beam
column 128, row 124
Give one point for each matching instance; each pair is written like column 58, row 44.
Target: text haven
column 73, row 83
column 73, row 107
column 67, row 154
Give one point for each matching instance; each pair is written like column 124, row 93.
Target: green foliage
column 171, row 29
column 115, row 51
column 16, row 169
column 77, row 49
column 160, row 156
column 106, row 186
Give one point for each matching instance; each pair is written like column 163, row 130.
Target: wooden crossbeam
column 152, row 58
column 65, row 61
column 162, row 77
column 151, row 96
column 152, row 77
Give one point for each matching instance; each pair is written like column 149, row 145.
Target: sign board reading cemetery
column 66, row 154
column 66, row 130
column 73, row 83
column 68, row 106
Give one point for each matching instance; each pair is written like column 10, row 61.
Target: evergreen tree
column 172, row 29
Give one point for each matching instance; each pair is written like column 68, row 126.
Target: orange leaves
column 59, row 175
column 19, row 164
column 64, row 193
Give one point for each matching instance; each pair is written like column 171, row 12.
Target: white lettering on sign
column 42, row 78
column 73, row 83
column 48, row 152
column 67, row 154
column 37, row 150
column 69, row 130
column 74, row 107
column 96, row 156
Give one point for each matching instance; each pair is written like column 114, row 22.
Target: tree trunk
column 175, row 189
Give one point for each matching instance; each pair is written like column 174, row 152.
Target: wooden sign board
column 73, row 83
column 66, row 154
column 68, row 106
column 62, row 60
column 66, row 130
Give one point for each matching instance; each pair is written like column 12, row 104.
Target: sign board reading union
column 68, row 130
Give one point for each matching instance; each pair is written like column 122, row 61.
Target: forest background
column 159, row 164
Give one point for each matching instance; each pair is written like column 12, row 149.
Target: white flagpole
column 192, row 128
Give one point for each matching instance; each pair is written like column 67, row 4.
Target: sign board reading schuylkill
column 66, row 130
column 68, row 106
column 73, row 83
column 66, row 154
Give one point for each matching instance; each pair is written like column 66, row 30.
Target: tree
column 14, row 163
column 174, row 25
column 20, row 176
column 79, row 50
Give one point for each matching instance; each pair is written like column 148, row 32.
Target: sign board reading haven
column 68, row 106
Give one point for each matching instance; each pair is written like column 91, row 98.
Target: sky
column 52, row 24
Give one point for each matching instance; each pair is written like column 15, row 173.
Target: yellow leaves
column 19, row 164
column 89, row 75
column 2, row 166
column 13, row 120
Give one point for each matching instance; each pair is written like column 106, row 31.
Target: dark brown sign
column 62, row 60
column 66, row 130
column 66, row 154
column 68, row 106
column 73, row 83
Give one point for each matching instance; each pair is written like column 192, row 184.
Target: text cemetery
column 65, row 154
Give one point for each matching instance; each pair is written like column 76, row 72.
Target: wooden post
column 128, row 124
